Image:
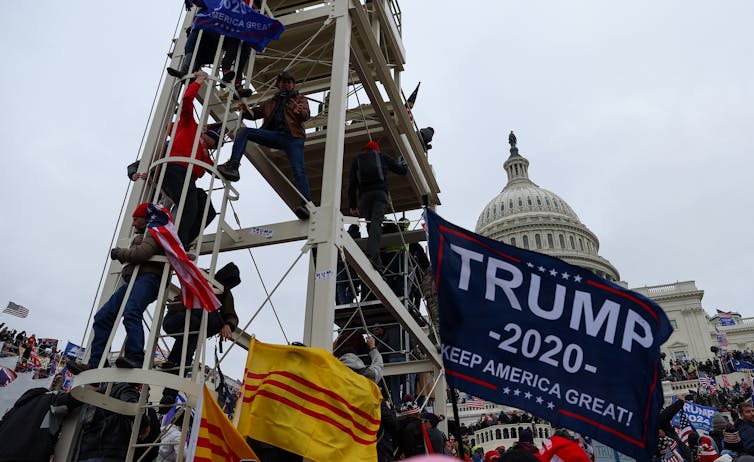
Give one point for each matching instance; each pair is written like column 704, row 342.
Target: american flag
column 475, row 403
column 195, row 290
column 704, row 381
column 684, row 425
column 668, row 451
column 16, row 310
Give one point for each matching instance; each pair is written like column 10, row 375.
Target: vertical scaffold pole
column 327, row 222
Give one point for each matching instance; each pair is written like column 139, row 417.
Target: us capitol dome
column 527, row 216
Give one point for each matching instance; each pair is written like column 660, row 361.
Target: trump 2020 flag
column 304, row 400
column 531, row 331
column 236, row 19
column 195, row 290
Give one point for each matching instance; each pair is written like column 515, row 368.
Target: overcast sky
column 638, row 114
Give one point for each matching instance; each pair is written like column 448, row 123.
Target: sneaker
column 167, row 366
column 77, row 367
column 229, row 170
column 125, row 363
column 301, row 212
column 176, row 73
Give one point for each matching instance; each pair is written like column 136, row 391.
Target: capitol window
column 550, row 242
column 520, row 202
column 513, row 241
column 547, row 201
column 562, row 241
column 526, row 242
column 581, row 244
column 528, row 200
column 539, row 201
column 538, row 241
column 573, row 243
column 674, row 323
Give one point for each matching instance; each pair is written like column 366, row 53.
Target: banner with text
column 699, row 416
column 531, row 331
column 236, row 19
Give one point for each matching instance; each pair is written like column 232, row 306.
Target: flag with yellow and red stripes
column 217, row 440
column 304, row 400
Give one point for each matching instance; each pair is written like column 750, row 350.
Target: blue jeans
column 293, row 147
column 144, row 291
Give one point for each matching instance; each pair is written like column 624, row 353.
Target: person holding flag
column 144, row 291
column 195, row 291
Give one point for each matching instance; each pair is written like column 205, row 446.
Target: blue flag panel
column 531, row 331
column 236, row 19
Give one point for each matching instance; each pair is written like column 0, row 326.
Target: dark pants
column 196, row 198
column 173, row 324
column 293, row 147
column 230, row 47
column 373, row 205
column 144, row 291
column 205, row 52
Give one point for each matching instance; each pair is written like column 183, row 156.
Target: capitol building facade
column 528, row 216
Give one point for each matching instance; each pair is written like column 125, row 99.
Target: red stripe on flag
column 317, row 415
column 470, row 379
column 602, row 427
column 316, row 401
column 477, row 241
column 316, row 387
column 625, row 295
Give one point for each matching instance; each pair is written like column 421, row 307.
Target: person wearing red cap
column 368, row 193
column 283, row 128
column 144, row 291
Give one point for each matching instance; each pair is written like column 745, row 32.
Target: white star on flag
column 506, row 390
column 541, row 269
column 550, row 405
column 553, row 272
column 516, row 392
column 530, row 265
column 527, row 395
column 577, row 278
column 566, row 275
column 539, row 400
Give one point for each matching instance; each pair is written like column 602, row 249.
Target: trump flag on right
column 528, row 330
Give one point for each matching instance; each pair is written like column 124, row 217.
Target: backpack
column 369, row 167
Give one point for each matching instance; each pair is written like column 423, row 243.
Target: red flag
column 195, row 290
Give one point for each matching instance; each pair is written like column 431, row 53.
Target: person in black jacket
column 105, row 435
column 30, row 428
column 368, row 193
column 222, row 321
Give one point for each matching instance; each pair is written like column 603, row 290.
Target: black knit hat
column 229, row 275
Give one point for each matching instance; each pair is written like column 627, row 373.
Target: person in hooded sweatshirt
column 222, row 321
column 388, row 431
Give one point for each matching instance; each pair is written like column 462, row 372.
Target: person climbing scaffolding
column 283, row 128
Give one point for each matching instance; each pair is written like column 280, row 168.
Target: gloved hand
column 114, row 254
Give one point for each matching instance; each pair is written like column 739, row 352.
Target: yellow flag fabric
column 304, row 400
column 218, row 440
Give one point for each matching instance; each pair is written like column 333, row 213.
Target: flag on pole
column 684, row 427
column 214, row 438
column 16, row 310
column 195, row 290
column 307, row 402
column 7, row 375
column 726, row 318
column 474, row 403
column 234, row 18
column 531, row 331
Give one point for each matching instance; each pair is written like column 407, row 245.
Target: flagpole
column 457, row 426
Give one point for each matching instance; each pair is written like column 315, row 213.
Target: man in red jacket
column 175, row 172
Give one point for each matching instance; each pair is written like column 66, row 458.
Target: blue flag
column 740, row 365
column 236, row 19
column 74, row 351
column 531, row 331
